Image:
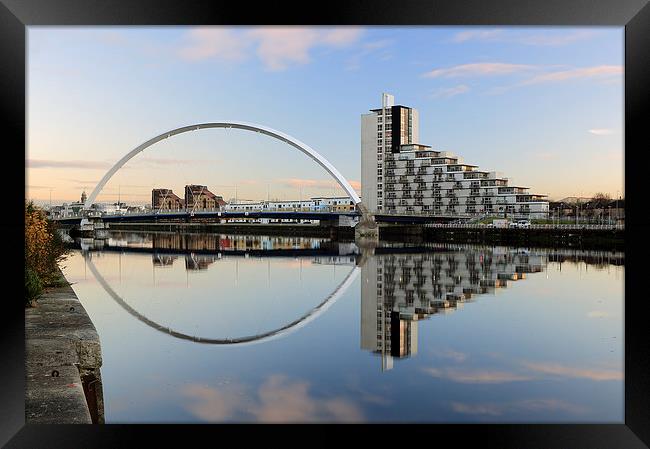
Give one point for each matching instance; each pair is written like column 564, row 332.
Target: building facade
column 198, row 197
column 401, row 176
column 165, row 199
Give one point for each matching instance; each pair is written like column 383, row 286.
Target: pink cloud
column 479, row 69
column 278, row 47
column 213, row 42
column 557, row 369
column 475, row 377
column 581, row 73
column 277, row 400
column 316, row 183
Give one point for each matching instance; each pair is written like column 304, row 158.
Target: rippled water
column 216, row 328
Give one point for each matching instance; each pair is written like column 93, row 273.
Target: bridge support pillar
column 367, row 229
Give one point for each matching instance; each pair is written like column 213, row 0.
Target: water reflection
column 539, row 337
column 400, row 285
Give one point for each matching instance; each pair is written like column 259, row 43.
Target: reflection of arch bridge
column 306, row 149
column 250, row 339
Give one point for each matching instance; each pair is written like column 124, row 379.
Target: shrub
column 33, row 287
column 44, row 249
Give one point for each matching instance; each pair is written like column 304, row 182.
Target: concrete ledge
column 62, row 353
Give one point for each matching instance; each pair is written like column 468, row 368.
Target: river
column 231, row 328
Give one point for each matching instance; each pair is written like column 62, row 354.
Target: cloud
column 526, row 405
column 479, row 69
column 315, row 183
column 447, row 92
column 602, row 74
column 597, row 314
column 212, row 404
column 450, row 354
column 481, row 35
column 557, row 369
column 354, row 63
column 46, row 163
column 83, row 181
column 282, row 402
column 550, row 38
column 278, row 47
column 213, row 42
column 356, row 185
column 278, row 400
column 601, row 71
column 475, row 377
column 602, row 131
column 165, row 161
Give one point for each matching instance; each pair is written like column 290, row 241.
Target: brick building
column 165, row 199
column 198, row 197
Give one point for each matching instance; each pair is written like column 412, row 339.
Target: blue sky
column 544, row 106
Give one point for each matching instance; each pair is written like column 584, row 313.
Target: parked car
column 522, row 224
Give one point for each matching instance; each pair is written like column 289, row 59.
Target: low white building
column 315, row 204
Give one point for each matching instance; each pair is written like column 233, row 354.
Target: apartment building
column 401, row 176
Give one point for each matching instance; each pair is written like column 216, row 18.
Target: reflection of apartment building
column 166, row 199
column 398, row 290
column 399, row 175
column 198, row 197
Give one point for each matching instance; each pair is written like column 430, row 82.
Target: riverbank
column 62, row 361
column 550, row 237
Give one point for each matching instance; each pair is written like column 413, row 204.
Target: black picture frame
column 634, row 15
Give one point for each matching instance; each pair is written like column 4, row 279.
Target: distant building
column 198, row 197
column 165, row 199
column 401, row 176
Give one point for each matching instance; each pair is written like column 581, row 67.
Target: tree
column 601, row 200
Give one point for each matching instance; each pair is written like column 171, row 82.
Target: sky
column 541, row 105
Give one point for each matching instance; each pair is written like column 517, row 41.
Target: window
column 379, row 127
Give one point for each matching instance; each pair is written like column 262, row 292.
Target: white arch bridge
column 303, row 147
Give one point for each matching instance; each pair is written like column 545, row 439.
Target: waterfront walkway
column 62, row 361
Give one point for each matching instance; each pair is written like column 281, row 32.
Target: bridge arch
column 303, row 147
column 240, row 341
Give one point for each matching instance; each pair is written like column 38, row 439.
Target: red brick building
column 165, row 199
